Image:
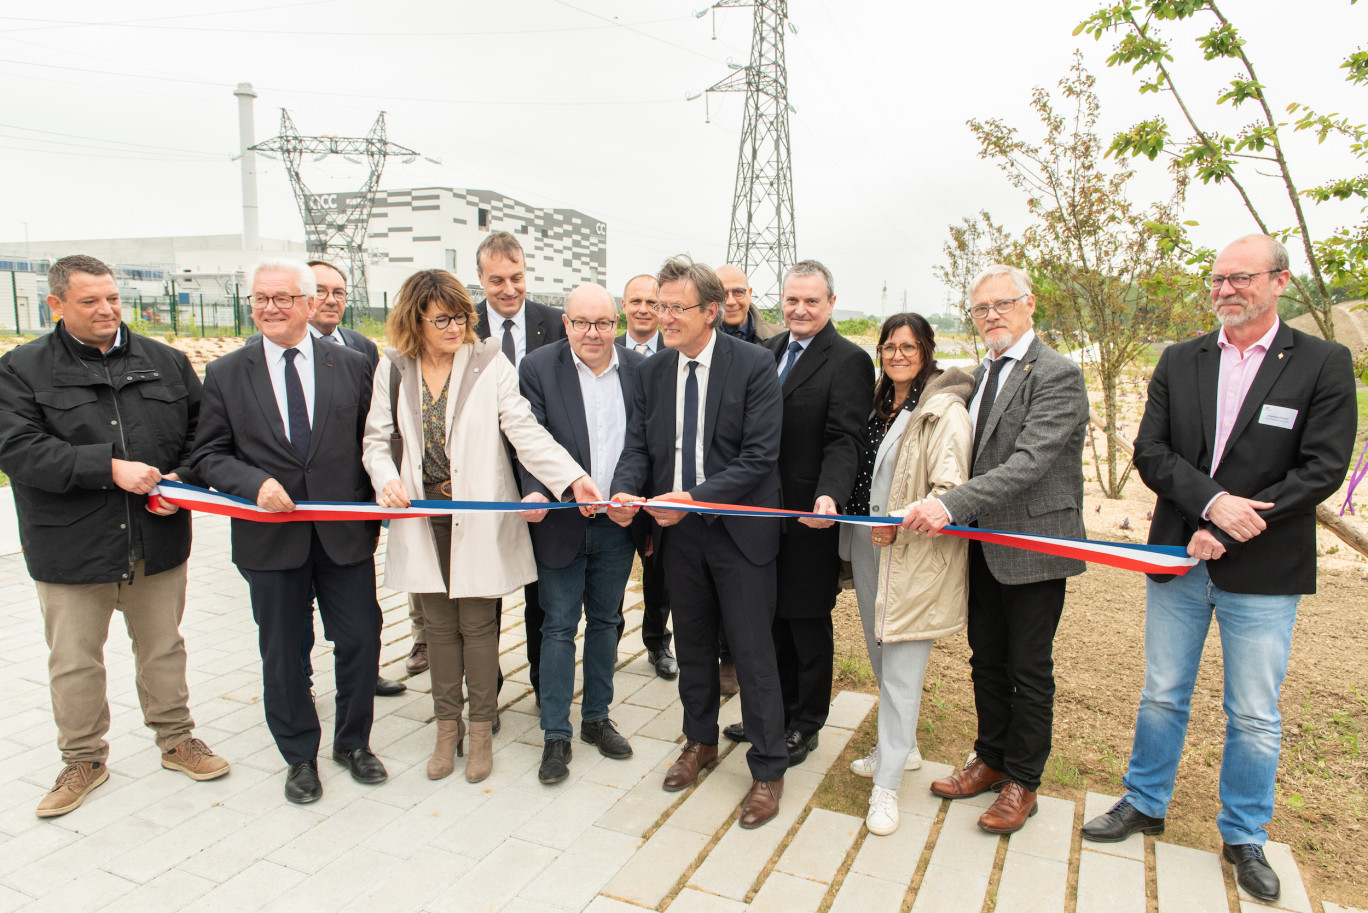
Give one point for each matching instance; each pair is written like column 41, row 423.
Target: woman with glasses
column 442, row 405
column 911, row 588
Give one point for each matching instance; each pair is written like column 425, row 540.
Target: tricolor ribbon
column 1149, row 559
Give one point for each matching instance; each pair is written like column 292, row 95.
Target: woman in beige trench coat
column 457, row 400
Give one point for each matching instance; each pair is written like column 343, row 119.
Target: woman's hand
column 393, row 495
column 585, row 490
column 883, row 536
column 534, row 516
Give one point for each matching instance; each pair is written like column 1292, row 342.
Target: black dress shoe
column 301, row 783
column 604, row 734
column 1252, row 871
column 799, row 745
column 386, row 688
column 498, row 724
column 365, row 767
column 555, row 762
column 666, row 665
column 1119, row 823
column 736, row 732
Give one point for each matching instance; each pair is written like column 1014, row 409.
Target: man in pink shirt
column 1247, row 429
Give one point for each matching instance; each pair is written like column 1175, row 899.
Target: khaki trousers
column 463, row 643
column 76, row 622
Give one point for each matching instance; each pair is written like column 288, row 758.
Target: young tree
column 973, row 245
column 1107, row 279
column 1256, row 151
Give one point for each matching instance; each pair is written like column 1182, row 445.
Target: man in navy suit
column 281, row 421
column 580, row 391
column 522, row 326
column 1247, row 429
column 705, row 426
column 639, row 298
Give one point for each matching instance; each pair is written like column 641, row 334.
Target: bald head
column 737, row 306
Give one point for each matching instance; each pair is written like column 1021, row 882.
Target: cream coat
column 491, row 554
column 923, row 588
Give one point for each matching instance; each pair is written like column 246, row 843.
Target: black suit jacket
column 741, row 429
column 1296, row 468
column 623, row 341
column 241, row 442
column 827, row 397
column 360, row 343
column 544, row 324
column 548, row 379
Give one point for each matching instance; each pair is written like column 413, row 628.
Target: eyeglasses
column 1239, row 280
column 737, row 293
column 603, row 326
column 980, row 311
column 907, row 350
column 676, row 310
column 340, row 294
column 284, row 302
column 442, row 321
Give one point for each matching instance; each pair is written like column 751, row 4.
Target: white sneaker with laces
column 864, row 767
column 882, row 818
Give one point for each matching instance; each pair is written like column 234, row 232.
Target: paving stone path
column 606, row 840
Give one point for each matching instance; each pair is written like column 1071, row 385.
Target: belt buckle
column 446, row 488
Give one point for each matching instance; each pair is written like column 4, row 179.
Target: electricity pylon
column 334, row 223
column 762, row 240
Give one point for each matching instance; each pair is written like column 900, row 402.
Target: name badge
column 1278, row 416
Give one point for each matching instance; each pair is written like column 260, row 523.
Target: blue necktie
column 793, row 349
column 296, row 407
column 688, row 473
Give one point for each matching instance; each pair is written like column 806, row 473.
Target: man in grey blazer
column 1030, row 410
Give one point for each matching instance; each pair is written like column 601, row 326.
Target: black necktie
column 296, row 407
column 509, row 350
column 793, row 349
column 986, row 402
column 688, row 474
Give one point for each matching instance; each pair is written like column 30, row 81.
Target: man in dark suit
column 580, row 391
column 330, row 303
column 705, row 426
column 639, row 299
column 1247, row 429
column 282, row 421
column 828, row 387
column 522, row 326
column 1030, row 411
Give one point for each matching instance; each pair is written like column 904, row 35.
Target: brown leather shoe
column 692, row 759
column 726, row 679
column 762, row 803
column 417, row 660
column 1009, row 811
column 976, row 778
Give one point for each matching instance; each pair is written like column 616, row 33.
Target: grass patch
column 4, row 479
column 853, row 672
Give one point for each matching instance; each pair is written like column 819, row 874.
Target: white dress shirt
column 797, row 356
column 701, row 372
column 1016, row 351
column 496, row 328
column 605, row 416
column 304, row 365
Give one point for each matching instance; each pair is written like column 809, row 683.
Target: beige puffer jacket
column 923, row 588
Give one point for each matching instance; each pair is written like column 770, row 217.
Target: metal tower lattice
column 335, row 224
column 762, row 240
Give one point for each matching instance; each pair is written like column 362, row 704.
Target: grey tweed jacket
column 1027, row 475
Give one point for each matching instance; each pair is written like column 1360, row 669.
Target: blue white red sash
column 1150, row 559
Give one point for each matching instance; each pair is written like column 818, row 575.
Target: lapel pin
column 1026, row 370
column 1280, row 355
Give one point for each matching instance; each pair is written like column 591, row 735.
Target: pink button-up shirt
column 1236, row 377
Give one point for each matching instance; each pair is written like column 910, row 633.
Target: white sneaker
column 864, row 767
column 882, row 818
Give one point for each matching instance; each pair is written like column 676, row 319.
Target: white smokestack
column 251, row 226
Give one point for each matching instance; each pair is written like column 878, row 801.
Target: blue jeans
column 1256, row 637
column 593, row 580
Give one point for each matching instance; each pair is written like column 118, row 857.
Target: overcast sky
column 125, row 127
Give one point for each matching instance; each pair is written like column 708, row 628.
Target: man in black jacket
column 330, row 303
column 91, row 418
